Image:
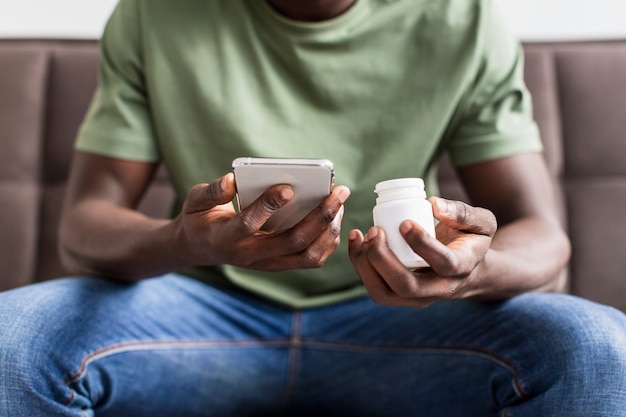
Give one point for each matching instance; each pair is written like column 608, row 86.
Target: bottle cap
column 400, row 188
column 399, row 183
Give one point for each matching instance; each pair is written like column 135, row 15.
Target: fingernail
column 286, row 193
column 372, row 233
column 353, row 235
column 224, row 183
column 442, row 205
column 344, row 193
column 405, row 227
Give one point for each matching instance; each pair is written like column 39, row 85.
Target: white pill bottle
column 399, row 200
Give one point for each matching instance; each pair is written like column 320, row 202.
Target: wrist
column 484, row 283
column 179, row 246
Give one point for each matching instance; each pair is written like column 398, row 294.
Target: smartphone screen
column 311, row 179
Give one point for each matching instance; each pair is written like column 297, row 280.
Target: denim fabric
column 172, row 346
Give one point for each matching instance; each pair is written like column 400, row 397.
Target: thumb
column 464, row 217
column 206, row 196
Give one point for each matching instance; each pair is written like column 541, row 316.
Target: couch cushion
column 540, row 76
column 592, row 89
column 597, row 208
column 23, row 79
column 23, row 83
column 592, row 92
column 72, row 77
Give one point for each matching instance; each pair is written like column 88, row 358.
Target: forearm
column 529, row 248
column 98, row 238
column 527, row 255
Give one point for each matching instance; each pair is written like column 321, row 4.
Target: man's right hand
column 102, row 233
column 211, row 232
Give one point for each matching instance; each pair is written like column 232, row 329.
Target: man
column 279, row 323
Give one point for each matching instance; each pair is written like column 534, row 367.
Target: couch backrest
column 579, row 98
column 579, row 94
column 45, row 88
column 581, row 104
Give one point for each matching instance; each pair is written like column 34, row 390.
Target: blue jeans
column 172, row 346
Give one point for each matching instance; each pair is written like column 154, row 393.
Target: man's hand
column 103, row 234
column 456, row 257
column 211, row 233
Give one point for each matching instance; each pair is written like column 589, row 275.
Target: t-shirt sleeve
column 118, row 123
column 497, row 116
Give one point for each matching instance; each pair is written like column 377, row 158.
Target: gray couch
column 579, row 92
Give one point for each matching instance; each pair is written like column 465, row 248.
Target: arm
column 102, row 233
column 530, row 249
column 472, row 257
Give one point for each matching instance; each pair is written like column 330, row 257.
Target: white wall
column 531, row 19
column 54, row 18
column 567, row 19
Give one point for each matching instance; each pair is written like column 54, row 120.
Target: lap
column 529, row 355
column 123, row 350
column 220, row 350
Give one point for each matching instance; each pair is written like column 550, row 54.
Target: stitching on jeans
column 138, row 345
column 295, row 342
column 71, row 398
column 495, row 357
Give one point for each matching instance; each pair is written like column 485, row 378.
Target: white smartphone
column 311, row 179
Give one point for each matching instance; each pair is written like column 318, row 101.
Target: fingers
column 450, row 259
column 306, row 245
column 324, row 214
column 387, row 281
column 255, row 216
column 358, row 249
column 316, row 253
column 463, row 217
column 217, row 235
column 324, row 219
column 463, row 238
column 204, row 197
column 299, row 253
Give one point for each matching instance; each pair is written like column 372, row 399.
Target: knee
column 23, row 335
column 29, row 321
column 38, row 324
column 41, row 326
column 576, row 339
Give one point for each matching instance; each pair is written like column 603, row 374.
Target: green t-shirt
column 381, row 91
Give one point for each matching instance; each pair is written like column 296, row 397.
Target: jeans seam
column 493, row 356
column 295, row 353
column 143, row 345
column 295, row 344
